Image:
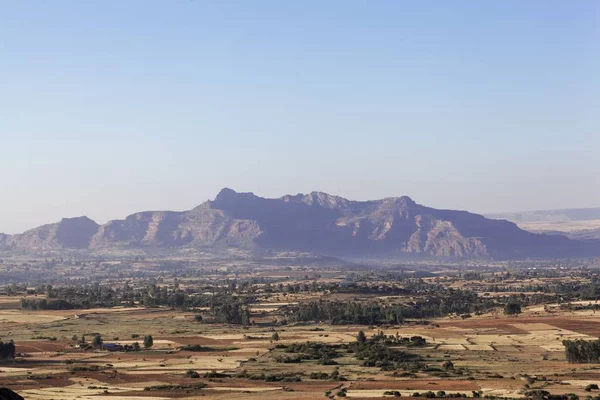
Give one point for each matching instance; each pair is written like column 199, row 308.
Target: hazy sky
column 109, row 107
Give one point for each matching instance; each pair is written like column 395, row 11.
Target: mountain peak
column 225, row 193
column 403, row 201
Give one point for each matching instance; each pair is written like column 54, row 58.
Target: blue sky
column 109, row 107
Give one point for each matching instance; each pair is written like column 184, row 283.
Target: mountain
column 563, row 215
column 69, row 233
column 574, row 223
column 315, row 222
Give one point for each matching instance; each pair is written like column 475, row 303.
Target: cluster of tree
column 561, row 291
column 373, row 312
column 187, row 387
column 391, row 340
column 150, row 295
column 579, row 307
column 95, row 295
column 582, row 351
column 512, row 308
column 97, row 342
column 377, row 352
column 440, row 394
column 542, row 394
column 232, row 312
column 334, row 376
column 7, row 350
column 323, row 353
column 73, row 297
column 51, row 304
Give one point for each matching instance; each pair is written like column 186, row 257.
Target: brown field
column 494, row 353
column 490, row 346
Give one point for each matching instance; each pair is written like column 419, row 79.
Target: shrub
column 394, row 393
column 190, row 373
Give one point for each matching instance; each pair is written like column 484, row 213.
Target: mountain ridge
column 316, row 222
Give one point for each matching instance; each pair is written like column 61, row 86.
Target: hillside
column 315, row 222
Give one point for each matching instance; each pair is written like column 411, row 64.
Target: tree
column 275, row 336
column 582, row 351
column 512, row 308
column 148, row 341
column 198, row 318
column 417, row 341
column 361, row 337
column 448, row 365
column 7, row 350
column 136, row 346
column 97, row 341
column 192, row 374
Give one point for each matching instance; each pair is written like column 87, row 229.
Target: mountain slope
column 201, row 226
column 314, row 222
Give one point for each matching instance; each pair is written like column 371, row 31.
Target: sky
column 110, row 107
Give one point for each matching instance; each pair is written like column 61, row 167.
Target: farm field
column 497, row 351
column 275, row 352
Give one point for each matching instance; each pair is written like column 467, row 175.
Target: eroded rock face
column 314, row 222
column 7, row 394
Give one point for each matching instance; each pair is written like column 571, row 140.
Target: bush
column 190, row 373
column 319, row 375
column 214, row 374
column 448, row 365
column 327, row 361
column 394, row 393
column 289, row 359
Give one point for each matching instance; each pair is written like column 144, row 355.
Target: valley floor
column 498, row 354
